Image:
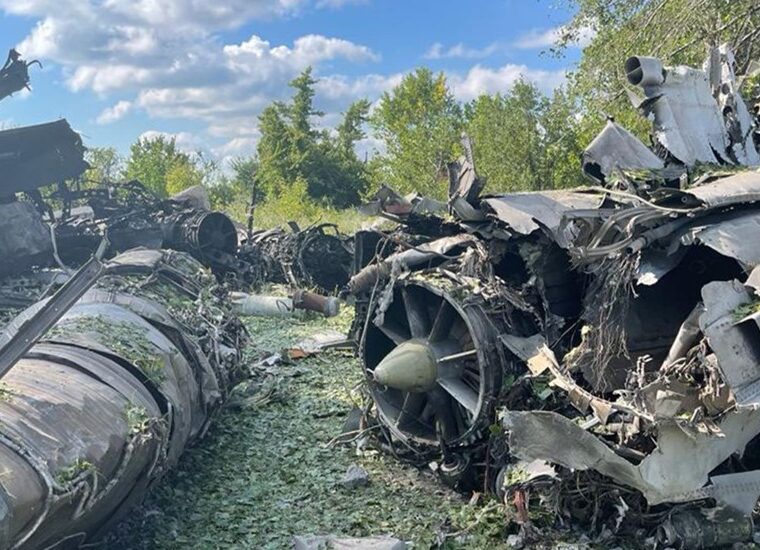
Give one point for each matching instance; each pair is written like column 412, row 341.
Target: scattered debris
column 613, row 329
column 355, row 476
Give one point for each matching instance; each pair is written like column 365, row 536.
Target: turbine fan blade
column 464, row 395
column 443, row 322
column 397, row 333
column 414, row 404
column 416, row 313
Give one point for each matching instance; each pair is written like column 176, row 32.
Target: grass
column 265, row 473
column 296, row 205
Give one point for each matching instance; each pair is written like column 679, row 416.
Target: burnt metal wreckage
column 318, row 257
column 590, row 355
column 119, row 336
column 107, row 372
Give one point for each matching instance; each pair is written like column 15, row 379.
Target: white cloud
column 538, row 38
column 167, row 59
column 256, row 57
column 237, row 147
column 166, row 14
column 484, row 80
column 339, row 89
column 460, row 51
column 115, row 112
column 185, row 141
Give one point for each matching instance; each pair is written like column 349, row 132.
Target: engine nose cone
column 410, row 367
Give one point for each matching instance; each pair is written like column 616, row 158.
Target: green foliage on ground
column 265, row 472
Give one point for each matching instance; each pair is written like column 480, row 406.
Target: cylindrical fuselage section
column 106, row 403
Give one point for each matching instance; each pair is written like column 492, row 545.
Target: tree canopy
column 163, row 168
column 293, row 149
column 419, row 121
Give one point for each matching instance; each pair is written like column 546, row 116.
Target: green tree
column 300, row 112
column 351, row 128
column 420, row 122
column 507, row 138
column 524, row 140
column 291, row 149
column 563, row 141
column 274, row 150
column 245, row 170
column 106, row 164
column 163, row 168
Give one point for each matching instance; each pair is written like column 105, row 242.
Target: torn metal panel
column 524, row 213
column 687, row 120
column 464, row 181
column 731, row 237
column 661, row 476
column 655, row 264
column 738, row 121
column 27, row 247
column 739, row 491
column 743, row 187
column 34, row 156
column 736, row 343
column 615, row 148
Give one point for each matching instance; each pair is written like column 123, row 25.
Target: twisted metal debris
column 590, row 355
column 106, row 374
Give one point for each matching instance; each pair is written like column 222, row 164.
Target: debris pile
column 107, row 399
column 109, row 372
column 590, row 355
column 317, row 257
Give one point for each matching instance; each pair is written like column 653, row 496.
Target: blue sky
column 202, row 70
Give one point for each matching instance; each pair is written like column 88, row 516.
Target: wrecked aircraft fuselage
column 611, row 330
column 106, row 401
